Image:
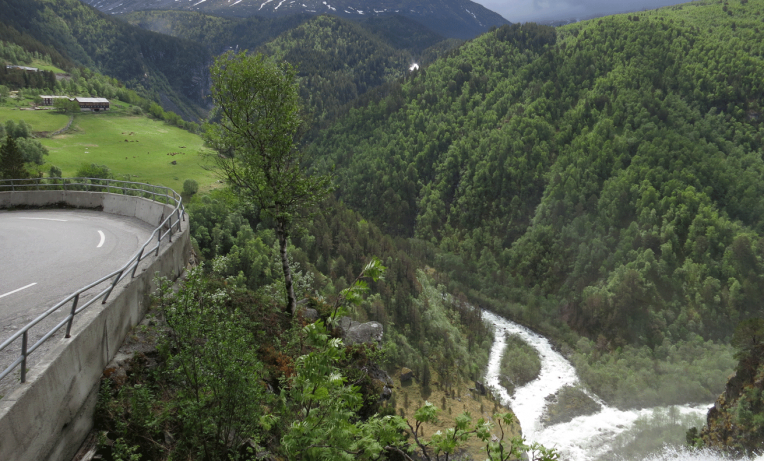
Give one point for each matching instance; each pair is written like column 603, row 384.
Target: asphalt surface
column 46, row 255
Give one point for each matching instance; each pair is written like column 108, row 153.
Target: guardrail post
column 138, row 261
column 179, row 229
column 116, row 281
column 71, row 319
column 24, row 357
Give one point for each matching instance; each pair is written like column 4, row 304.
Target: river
column 585, row 438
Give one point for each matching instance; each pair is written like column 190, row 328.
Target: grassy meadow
column 46, row 121
column 137, row 146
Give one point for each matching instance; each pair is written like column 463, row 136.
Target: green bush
column 521, row 362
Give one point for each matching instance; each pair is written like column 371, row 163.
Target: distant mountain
column 337, row 59
column 462, row 19
column 216, row 33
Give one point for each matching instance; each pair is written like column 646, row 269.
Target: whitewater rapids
column 585, row 437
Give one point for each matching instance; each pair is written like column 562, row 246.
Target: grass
column 40, row 120
column 42, row 65
column 458, row 400
column 136, row 146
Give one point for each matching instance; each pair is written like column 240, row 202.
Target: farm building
column 93, row 104
column 48, row 100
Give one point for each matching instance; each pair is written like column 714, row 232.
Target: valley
column 595, row 188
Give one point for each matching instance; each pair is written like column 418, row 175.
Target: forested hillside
column 165, row 69
column 606, row 173
column 337, row 59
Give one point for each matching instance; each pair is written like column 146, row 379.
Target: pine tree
column 11, row 161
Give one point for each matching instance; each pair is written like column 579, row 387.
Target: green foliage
column 444, row 444
column 66, row 106
column 749, row 337
column 607, row 173
column 687, row 371
column 190, row 187
column 93, row 170
column 336, row 60
column 520, row 363
column 12, row 160
column 325, row 405
column 422, row 321
column 256, row 102
column 31, row 150
column 214, row 367
column 17, row 130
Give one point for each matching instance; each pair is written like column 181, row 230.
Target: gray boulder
column 345, row 324
column 310, row 314
column 364, row 333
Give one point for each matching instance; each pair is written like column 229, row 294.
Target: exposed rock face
column 736, row 422
column 360, row 333
column 365, row 333
column 406, row 375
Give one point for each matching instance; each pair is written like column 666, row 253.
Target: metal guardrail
column 159, row 194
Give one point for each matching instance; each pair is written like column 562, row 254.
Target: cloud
column 558, row 10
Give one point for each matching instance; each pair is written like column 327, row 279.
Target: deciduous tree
column 257, row 107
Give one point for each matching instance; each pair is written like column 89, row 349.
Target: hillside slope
column 164, row 68
column 608, row 173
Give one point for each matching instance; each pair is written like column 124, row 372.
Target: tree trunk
column 282, row 235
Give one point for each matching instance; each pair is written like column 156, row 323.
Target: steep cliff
column 736, row 422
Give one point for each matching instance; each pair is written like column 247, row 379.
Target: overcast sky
column 558, row 10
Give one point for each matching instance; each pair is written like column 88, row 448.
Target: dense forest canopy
column 611, row 169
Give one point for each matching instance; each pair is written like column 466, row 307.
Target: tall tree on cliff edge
column 256, row 102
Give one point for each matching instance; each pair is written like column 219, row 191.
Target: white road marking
column 103, row 239
column 47, row 219
column 18, row 289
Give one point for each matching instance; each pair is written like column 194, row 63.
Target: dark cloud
column 559, row 10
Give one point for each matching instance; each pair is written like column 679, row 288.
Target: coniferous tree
column 12, row 160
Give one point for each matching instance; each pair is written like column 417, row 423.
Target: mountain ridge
column 461, row 19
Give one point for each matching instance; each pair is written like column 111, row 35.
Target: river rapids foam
column 584, row 438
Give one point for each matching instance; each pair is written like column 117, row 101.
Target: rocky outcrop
column 406, row 375
column 365, row 333
column 360, row 333
column 736, row 421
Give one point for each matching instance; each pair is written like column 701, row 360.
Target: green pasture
column 130, row 145
column 42, row 65
column 39, row 120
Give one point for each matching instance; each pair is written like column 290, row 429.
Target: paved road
column 46, row 255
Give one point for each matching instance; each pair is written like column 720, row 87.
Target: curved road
column 46, row 255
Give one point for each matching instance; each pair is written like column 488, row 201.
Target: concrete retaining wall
column 48, row 417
